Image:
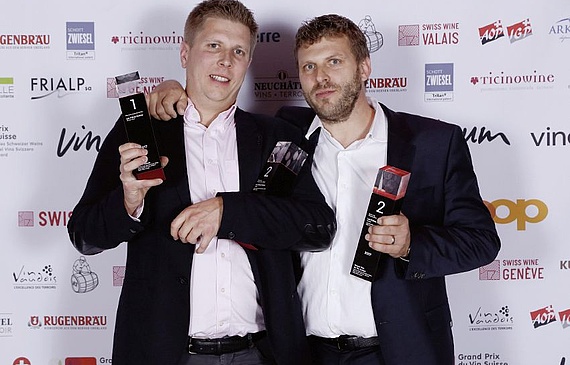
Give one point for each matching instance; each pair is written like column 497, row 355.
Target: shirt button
column 182, row 280
column 223, row 254
column 231, row 235
column 223, row 290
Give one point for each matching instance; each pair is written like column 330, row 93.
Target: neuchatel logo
column 80, row 40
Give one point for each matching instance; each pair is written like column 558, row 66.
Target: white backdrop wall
column 506, row 81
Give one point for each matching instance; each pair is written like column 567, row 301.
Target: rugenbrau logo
column 522, row 211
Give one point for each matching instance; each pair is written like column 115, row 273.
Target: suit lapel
column 250, row 143
column 401, row 151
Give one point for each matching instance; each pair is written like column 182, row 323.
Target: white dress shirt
column 223, row 296
column 335, row 302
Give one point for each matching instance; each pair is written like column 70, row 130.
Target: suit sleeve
column 99, row 220
column 464, row 237
column 300, row 222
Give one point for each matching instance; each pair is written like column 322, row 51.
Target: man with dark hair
column 209, row 273
column 403, row 316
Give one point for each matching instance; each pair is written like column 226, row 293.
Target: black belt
column 224, row 345
column 349, row 343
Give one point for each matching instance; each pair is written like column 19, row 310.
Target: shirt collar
column 378, row 131
column 222, row 121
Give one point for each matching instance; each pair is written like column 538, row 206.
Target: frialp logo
column 429, row 34
column 496, row 319
column 521, row 211
column 550, row 138
column 145, row 85
column 280, row 87
column 43, row 87
column 495, row 31
column 6, row 325
column 152, row 42
column 68, row 322
column 22, row 41
column 80, row 40
column 7, row 90
column 394, row 84
column 512, row 270
column 29, row 277
column 83, row 279
column 438, row 82
column 374, row 39
column 506, row 81
column 561, row 29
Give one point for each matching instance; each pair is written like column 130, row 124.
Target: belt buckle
column 345, row 342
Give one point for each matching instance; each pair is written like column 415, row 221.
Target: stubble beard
column 339, row 111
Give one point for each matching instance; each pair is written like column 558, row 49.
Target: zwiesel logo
column 69, row 322
column 6, row 87
column 432, row 34
column 438, row 82
column 26, row 278
column 491, row 320
column 494, row 31
column 6, row 325
column 80, row 39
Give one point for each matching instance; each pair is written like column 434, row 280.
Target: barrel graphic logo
column 83, row 280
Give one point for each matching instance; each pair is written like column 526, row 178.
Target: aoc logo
column 80, row 40
column 438, row 82
column 561, row 29
column 374, row 39
column 543, row 316
column 7, row 88
column 494, row 31
column 281, row 87
column 520, row 211
column 491, row 320
column 387, row 84
column 43, row 87
column 432, row 34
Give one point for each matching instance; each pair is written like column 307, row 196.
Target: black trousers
column 325, row 354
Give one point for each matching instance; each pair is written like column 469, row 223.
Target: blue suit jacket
column 451, row 232
column 153, row 313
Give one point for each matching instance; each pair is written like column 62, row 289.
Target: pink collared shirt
column 223, row 296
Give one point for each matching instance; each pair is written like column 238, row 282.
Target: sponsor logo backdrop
column 498, row 70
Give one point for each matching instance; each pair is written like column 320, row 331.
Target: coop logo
column 118, row 275
column 6, row 325
column 438, row 82
column 25, row 41
column 7, row 88
column 80, row 40
column 83, row 280
column 68, row 322
column 512, row 270
column 494, row 81
column 145, row 85
column 42, row 87
column 26, row 278
column 45, row 218
column 520, row 211
column 561, row 29
column 491, row 320
column 515, row 32
column 152, row 42
column 80, row 361
column 281, row 87
column 431, row 34
column 374, row 39
column 22, row 361
column 387, row 84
